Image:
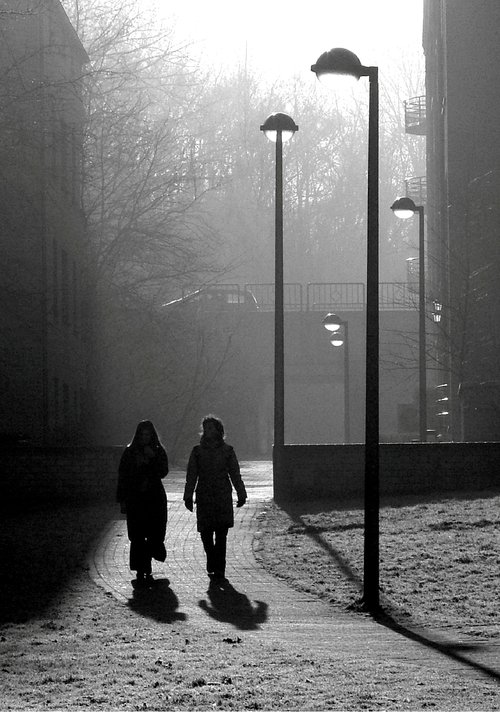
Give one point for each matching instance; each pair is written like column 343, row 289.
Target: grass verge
column 439, row 558
column 66, row 644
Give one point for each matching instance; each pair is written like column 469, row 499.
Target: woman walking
column 212, row 468
column 140, row 492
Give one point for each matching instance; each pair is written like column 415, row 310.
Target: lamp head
column 279, row 122
column 337, row 61
column 404, row 208
column 332, row 322
column 437, row 313
column 337, row 340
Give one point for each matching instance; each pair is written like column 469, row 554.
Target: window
column 64, row 288
column 66, row 404
column 55, row 281
column 57, row 413
column 74, row 294
column 65, row 168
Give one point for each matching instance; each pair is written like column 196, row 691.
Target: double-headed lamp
column 332, row 322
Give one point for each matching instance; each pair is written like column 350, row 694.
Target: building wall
column 226, row 366
column 337, row 471
column 39, row 476
column 43, row 248
column 461, row 42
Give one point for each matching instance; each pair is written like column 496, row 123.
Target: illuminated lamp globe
column 332, row 322
column 404, row 208
column 337, row 340
column 337, row 62
column 279, row 122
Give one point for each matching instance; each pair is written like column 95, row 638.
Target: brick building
column 462, row 51
column 44, row 338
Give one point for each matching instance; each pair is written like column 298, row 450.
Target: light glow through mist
column 280, row 39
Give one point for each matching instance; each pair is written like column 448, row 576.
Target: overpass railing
column 264, row 294
column 332, row 296
column 315, row 296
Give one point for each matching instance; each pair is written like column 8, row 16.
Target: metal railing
column 264, row 294
column 416, row 189
column 398, row 296
column 319, row 296
column 325, row 296
column 416, row 115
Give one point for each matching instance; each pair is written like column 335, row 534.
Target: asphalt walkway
column 258, row 603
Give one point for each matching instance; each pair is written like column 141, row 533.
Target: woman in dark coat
column 141, row 494
column 212, row 468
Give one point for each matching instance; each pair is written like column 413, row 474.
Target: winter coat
column 140, row 476
column 141, row 489
column 212, row 468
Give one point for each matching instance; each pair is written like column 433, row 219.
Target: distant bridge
column 314, row 296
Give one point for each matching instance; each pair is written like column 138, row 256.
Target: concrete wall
column 55, row 475
column 337, row 471
column 81, row 475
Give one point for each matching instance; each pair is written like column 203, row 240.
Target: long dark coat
column 212, row 468
column 140, row 487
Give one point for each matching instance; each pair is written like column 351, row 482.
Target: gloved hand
column 240, row 502
column 188, row 503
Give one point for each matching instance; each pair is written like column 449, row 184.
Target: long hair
column 217, row 422
column 145, row 425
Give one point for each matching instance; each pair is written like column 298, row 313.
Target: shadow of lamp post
column 339, row 61
column 279, row 128
column 405, row 208
column 339, row 336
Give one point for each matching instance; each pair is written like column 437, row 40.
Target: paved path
column 256, row 602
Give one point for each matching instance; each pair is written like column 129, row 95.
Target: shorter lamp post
column 405, row 208
column 279, row 127
column 339, row 330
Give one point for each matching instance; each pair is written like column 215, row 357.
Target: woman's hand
column 241, row 502
column 188, row 503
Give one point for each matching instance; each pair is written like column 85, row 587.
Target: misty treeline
column 180, row 181
column 178, row 191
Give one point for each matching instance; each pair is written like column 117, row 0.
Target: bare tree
column 140, row 180
column 324, row 178
column 146, row 175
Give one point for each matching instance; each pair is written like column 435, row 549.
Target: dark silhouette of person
column 143, row 465
column 212, row 468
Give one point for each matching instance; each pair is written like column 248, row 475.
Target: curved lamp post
column 405, row 208
column 339, row 336
column 279, row 127
column 340, row 61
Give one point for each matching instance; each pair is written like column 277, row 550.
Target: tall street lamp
column 341, row 61
column 405, row 208
column 279, row 127
column 339, row 331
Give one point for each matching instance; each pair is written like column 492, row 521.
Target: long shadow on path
column 228, row 605
column 451, row 649
column 158, row 602
column 296, row 512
